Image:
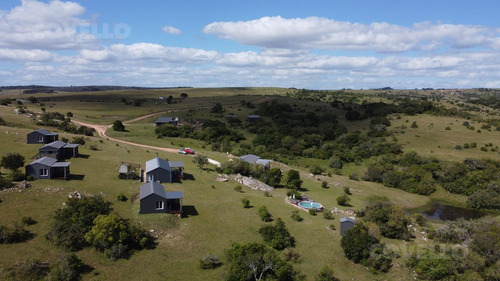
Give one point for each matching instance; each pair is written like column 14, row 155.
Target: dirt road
column 101, row 130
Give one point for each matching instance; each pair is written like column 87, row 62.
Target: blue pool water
column 310, row 205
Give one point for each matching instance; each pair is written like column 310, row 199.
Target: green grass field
column 215, row 216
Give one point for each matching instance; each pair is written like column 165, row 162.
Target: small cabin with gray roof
column 254, row 159
column 166, row 120
column 161, row 170
column 41, row 136
column 48, row 168
column 59, row 150
column 346, row 224
column 154, row 199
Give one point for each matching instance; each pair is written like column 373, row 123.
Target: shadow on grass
column 188, row 211
column 188, row 177
column 84, row 156
column 76, row 177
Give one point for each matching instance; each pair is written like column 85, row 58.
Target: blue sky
column 304, row 44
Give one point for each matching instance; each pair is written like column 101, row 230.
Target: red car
column 188, row 150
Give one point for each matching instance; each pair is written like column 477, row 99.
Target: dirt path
column 101, row 129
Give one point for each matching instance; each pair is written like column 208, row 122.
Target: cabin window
column 44, row 172
column 40, row 138
column 151, row 178
column 159, row 205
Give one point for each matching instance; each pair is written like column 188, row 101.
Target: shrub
column 30, row 269
column 246, row 203
column 343, row 200
column 324, row 184
column 210, row 262
column 414, row 125
column 267, row 194
column 473, row 145
column 67, row 267
column 335, row 162
column 312, row 212
column 74, row 220
column 265, row 216
column 13, row 234
column 17, row 176
column 79, row 140
column 466, row 146
column 115, row 237
column 458, row 147
column 347, row 190
column 290, row 255
column 447, row 128
column 28, row 221
column 354, row 177
column 69, row 114
column 326, row 274
column 327, row 214
column 296, row 216
column 5, row 183
column 316, row 170
column 238, row 188
column 121, row 197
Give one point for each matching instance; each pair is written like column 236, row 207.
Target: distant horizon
column 316, row 45
column 227, row 87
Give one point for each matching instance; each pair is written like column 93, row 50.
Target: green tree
column 217, row 108
column 200, row 160
column 272, row 177
column 357, row 243
column 277, row 235
column 108, row 232
column 12, row 161
column 391, row 220
column 118, row 126
column 254, row 261
column 293, row 179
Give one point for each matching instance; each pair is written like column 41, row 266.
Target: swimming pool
column 310, row 205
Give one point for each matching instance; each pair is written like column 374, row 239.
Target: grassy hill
column 214, row 214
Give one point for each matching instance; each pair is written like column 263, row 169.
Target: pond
column 438, row 211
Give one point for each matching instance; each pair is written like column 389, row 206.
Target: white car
column 182, row 151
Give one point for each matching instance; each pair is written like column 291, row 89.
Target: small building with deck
column 154, row 199
column 59, row 150
column 161, row 170
column 48, row 168
column 41, row 136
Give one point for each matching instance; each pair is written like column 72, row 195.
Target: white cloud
column 171, row 30
column 50, row 26
column 25, row 55
column 328, row 34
